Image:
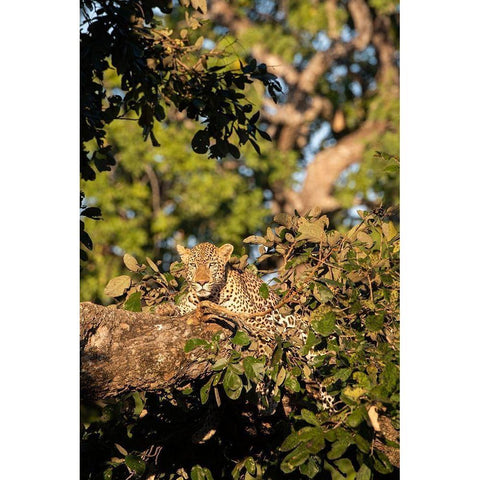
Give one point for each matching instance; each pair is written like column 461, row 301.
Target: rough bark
column 122, row 350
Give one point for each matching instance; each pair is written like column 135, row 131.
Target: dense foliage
column 347, row 285
column 158, row 71
column 337, row 63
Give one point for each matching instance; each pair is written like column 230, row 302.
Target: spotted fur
column 210, row 277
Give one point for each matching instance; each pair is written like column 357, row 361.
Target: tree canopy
column 337, row 64
column 273, row 126
column 196, row 414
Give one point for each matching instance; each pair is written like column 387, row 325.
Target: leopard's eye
column 192, row 264
column 211, row 264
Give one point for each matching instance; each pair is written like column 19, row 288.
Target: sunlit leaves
column 135, row 463
column 348, row 291
column 326, row 325
column 117, row 286
column 193, row 343
column 133, row 302
column 232, row 384
column 200, row 473
column 241, row 338
column 263, row 290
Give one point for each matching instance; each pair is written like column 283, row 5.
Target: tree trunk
column 122, row 350
column 289, row 122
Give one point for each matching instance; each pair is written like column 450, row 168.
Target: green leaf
column 331, row 435
column 310, row 468
column 236, row 367
column 362, row 444
column 390, row 377
column 356, row 417
column 250, row 466
column 346, row 467
column 310, row 417
column 208, row 474
column 362, row 379
column 196, row 473
column 364, row 473
column 107, row 474
column 353, row 393
column 290, row 442
column 201, row 142
column 316, row 440
column 325, row 326
column 220, row 364
column 381, row 463
column 264, row 291
column 254, row 368
column 205, row 391
column 374, row 323
column 139, row 402
column 193, row 343
column 336, row 475
column 232, row 384
column 133, row 302
column 294, row 459
column 338, row 449
column 291, row 383
column 241, row 338
column 343, row 374
column 322, row 293
column 312, row 340
column 135, row 463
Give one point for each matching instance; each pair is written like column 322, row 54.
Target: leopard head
column 205, row 266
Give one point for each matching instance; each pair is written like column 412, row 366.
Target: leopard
column 210, row 276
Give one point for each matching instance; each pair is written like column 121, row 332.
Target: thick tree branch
column 327, row 165
column 122, row 350
column 388, row 71
column 330, row 8
column 363, row 23
column 303, row 105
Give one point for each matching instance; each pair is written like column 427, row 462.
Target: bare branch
column 388, row 71
column 363, row 23
column 333, row 30
column 327, row 165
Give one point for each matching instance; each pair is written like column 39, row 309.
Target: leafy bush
column 347, row 285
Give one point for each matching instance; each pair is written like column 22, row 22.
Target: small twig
column 370, row 286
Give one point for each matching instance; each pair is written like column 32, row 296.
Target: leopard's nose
column 202, row 282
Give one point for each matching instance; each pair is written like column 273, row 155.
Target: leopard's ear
column 225, row 251
column 183, row 252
